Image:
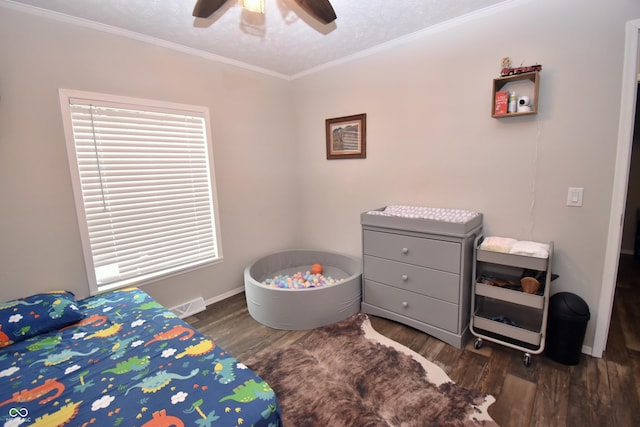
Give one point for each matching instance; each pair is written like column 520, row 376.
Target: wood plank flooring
column 596, row 392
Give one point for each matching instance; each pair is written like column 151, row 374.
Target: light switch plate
column 574, row 196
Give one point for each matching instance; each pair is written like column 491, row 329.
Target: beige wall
column 250, row 121
column 431, row 141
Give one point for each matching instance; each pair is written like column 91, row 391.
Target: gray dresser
column 418, row 271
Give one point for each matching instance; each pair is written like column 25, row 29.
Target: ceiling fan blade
column 320, row 9
column 205, row 8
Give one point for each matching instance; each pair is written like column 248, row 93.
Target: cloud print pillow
column 37, row 314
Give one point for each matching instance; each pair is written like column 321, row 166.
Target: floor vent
column 189, row 308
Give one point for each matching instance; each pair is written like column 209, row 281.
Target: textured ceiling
column 287, row 43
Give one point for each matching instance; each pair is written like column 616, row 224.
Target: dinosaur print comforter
column 131, row 363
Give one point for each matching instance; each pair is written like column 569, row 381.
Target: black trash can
column 566, row 326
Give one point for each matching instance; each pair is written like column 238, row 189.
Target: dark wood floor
column 596, row 392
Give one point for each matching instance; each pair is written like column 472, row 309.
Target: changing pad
column 422, row 219
column 460, row 216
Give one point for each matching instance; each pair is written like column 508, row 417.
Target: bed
column 120, row 359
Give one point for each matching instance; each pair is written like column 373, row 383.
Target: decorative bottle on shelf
column 513, row 102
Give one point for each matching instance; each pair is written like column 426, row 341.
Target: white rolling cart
column 506, row 314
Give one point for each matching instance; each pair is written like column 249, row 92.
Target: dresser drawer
column 419, row 307
column 426, row 281
column 438, row 254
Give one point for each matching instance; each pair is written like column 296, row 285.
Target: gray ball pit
column 299, row 309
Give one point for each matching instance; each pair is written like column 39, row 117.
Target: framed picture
column 347, row 137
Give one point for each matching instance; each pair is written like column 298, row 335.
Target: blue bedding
column 128, row 362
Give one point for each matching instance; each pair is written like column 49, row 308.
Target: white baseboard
column 189, row 308
column 225, row 295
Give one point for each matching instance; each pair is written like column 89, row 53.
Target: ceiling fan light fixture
column 255, row 6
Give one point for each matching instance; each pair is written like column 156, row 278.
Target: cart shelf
column 508, row 331
column 521, row 261
column 514, row 296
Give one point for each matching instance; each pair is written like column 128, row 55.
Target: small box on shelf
column 501, row 102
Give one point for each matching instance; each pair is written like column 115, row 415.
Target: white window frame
column 67, row 96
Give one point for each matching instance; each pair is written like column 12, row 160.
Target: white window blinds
column 144, row 181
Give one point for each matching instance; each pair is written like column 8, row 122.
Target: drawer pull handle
column 405, row 304
column 405, row 250
column 405, row 277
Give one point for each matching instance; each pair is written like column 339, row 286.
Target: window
column 142, row 175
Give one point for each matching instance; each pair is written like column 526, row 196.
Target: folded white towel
column 534, row 249
column 498, row 244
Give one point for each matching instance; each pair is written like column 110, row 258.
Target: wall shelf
column 527, row 84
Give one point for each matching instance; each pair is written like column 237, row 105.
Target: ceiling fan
column 319, row 9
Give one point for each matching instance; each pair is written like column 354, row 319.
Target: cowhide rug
column 347, row 374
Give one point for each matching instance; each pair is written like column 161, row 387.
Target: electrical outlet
column 574, row 196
